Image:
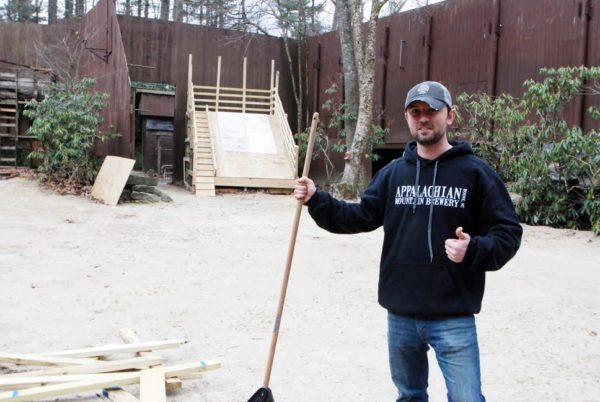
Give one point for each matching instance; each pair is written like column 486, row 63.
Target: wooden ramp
column 250, row 151
column 238, row 137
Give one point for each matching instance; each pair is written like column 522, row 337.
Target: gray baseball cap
column 433, row 93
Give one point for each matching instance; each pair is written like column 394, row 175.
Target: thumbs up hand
column 457, row 248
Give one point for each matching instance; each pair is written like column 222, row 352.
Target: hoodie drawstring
column 430, row 223
column 417, row 185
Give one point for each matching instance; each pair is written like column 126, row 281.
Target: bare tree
column 146, row 8
column 359, row 66
column 294, row 20
column 79, row 8
column 22, row 11
column 164, row 9
column 68, row 9
column 52, row 11
column 178, row 10
column 127, row 7
column 63, row 57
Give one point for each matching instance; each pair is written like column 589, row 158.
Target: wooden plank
column 254, row 182
column 204, row 186
column 101, row 381
column 98, row 382
column 205, row 180
column 39, row 360
column 173, row 384
column 206, row 96
column 118, row 395
column 130, row 337
column 238, row 102
column 206, row 193
column 111, row 179
column 38, row 381
column 95, row 368
column 115, row 349
column 204, row 175
column 239, row 109
column 192, row 376
column 232, row 88
column 272, row 74
column 218, row 82
column 152, row 385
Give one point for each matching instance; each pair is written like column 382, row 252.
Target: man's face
column 426, row 125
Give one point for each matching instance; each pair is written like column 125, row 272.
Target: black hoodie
column 420, row 204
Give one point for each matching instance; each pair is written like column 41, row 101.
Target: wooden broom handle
column 290, row 255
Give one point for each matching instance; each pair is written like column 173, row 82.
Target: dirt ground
column 208, row 271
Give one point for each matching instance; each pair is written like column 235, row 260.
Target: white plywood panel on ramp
column 240, row 132
column 250, row 151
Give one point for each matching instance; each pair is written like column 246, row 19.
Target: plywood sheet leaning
column 111, row 179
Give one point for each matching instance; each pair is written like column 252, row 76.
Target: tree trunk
column 178, row 10
column 79, row 9
column 164, row 9
column 128, row 7
column 52, row 11
column 68, row 8
column 354, row 178
column 349, row 67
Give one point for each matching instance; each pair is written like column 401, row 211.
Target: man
column 447, row 219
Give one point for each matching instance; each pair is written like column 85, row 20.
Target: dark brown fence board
column 456, row 42
column 593, row 59
column 324, row 73
column 460, row 51
column 104, row 60
column 407, row 48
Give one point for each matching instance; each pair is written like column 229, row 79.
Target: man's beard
column 429, row 140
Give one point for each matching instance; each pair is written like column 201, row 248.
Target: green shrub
column 66, row 124
column 554, row 167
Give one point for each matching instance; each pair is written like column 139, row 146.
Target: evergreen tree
column 22, row 11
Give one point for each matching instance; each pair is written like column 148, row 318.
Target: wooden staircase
column 9, row 128
column 235, row 164
column 203, row 158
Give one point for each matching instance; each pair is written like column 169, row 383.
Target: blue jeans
column 454, row 341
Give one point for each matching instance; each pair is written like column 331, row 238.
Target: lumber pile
column 28, row 83
column 103, row 370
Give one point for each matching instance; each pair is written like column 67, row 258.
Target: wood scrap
column 135, row 363
column 129, row 336
column 76, row 372
column 100, row 381
column 152, row 385
column 118, row 395
column 40, row 360
column 116, row 349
